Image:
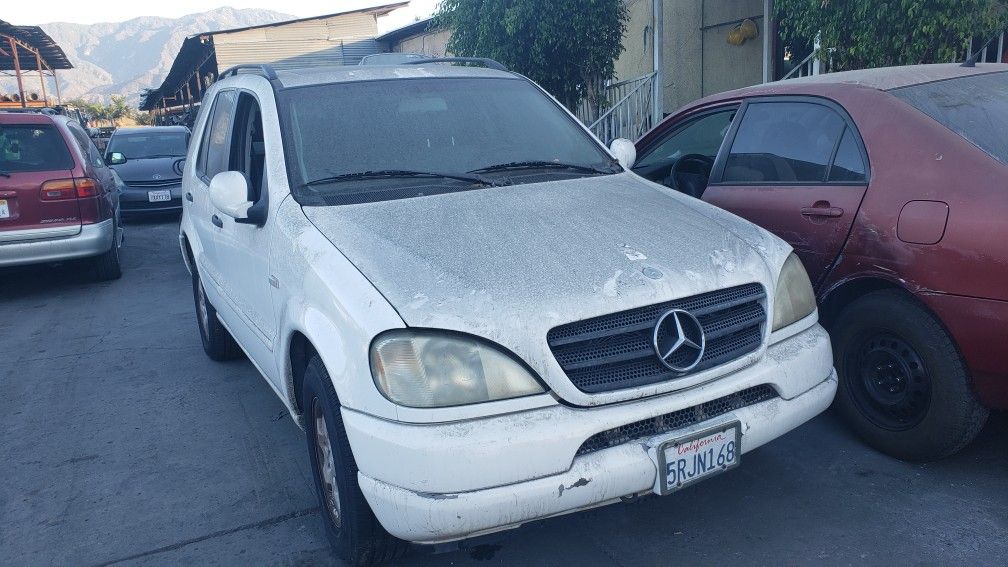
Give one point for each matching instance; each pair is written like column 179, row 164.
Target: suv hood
column 510, row 263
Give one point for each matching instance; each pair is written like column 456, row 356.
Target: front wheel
column 904, row 388
column 353, row 531
column 218, row 343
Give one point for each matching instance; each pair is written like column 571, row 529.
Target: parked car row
column 61, row 200
column 481, row 316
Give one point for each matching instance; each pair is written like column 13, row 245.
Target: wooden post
column 38, row 65
column 17, row 70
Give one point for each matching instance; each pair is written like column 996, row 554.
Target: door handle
column 822, row 209
column 188, row 196
column 217, row 221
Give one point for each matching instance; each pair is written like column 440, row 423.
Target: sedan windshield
column 378, row 140
column 149, row 145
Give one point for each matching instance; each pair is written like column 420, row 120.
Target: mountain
column 127, row 57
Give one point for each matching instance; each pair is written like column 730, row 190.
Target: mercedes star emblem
column 679, row 340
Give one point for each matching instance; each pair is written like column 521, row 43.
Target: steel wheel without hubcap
column 326, row 464
column 892, row 387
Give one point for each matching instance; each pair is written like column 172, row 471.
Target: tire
column 353, row 531
column 108, row 267
column 903, row 388
column 218, row 343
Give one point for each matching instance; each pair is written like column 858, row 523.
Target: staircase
column 631, row 114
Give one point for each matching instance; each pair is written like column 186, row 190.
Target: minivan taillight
column 62, row 189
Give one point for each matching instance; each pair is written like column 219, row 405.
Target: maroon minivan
column 892, row 187
column 58, row 199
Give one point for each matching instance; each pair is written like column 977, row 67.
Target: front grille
column 155, row 183
column 677, row 419
column 615, row 351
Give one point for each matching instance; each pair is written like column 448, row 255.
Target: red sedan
column 892, row 187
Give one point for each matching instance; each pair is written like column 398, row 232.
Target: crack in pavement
column 256, row 525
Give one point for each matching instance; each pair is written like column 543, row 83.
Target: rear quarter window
column 33, row 147
column 975, row 107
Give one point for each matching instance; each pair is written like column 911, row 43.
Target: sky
column 75, row 11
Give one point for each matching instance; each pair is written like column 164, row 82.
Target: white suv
column 477, row 314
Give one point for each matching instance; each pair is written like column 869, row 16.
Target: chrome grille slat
column 615, row 351
column 154, row 183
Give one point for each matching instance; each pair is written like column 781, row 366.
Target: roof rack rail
column 485, row 61
column 262, row 68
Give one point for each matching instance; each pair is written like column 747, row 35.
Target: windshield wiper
column 4, row 174
column 403, row 173
column 537, row 164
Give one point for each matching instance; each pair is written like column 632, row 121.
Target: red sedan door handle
column 822, row 209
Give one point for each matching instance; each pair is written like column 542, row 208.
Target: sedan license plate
column 696, row 457
column 4, row 209
column 158, row 196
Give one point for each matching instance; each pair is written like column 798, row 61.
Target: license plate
column 690, row 459
column 4, row 209
column 158, row 196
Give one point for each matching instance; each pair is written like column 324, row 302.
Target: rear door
column 212, row 158
column 37, row 195
column 797, row 167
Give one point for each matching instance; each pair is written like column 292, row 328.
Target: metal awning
column 29, row 40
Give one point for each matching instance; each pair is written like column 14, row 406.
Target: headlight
column 794, row 299
column 426, row 369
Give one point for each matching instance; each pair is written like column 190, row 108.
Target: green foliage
column 110, row 113
column 567, row 46
column 879, row 33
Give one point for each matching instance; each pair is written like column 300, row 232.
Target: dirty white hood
column 510, row 263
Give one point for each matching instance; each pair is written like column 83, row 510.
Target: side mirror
column 116, row 158
column 624, row 151
column 229, row 194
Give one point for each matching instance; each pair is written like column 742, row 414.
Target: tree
column 878, row 33
column 567, row 46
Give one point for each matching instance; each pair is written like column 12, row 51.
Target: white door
column 243, row 248
column 211, row 158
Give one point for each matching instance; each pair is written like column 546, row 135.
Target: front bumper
column 439, row 483
column 91, row 240
column 136, row 201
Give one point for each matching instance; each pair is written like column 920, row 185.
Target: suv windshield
column 378, row 140
column 32, row 147
column 149, row 145
column 973, row 107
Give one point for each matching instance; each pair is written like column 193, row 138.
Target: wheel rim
column 201, row 310
column 888, row 381
column 326, row 464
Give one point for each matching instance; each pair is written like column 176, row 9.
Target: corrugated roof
column 50, row 52
column 199, row 48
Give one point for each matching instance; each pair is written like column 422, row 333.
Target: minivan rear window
column 32, row 147
column 973, row 107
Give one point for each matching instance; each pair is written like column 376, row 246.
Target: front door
column 243, row 249
column 796, row 167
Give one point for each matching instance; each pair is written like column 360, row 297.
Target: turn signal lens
column 86, row 188
column 62, row 189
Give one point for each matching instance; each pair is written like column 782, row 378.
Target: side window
column 87, row 147
column 848, row 165
column 702, row 136
column 216, row 144
column 784, row 142
column 248, row 150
